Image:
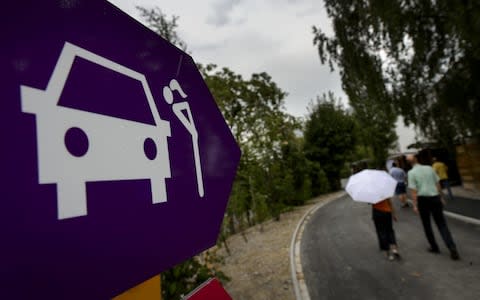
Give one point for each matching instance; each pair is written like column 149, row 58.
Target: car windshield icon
column 80, row 138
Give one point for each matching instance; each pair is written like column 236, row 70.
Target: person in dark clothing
column 426, row 196
column 382, row 215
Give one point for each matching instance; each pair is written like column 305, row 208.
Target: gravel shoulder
column 259, row 262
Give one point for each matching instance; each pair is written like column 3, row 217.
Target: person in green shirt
column 426, row 195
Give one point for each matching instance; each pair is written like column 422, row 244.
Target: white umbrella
column 371, row 186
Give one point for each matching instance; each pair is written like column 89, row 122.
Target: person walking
column 442, row 171
column 401, row 190
column 426, row 193
column 382, row 214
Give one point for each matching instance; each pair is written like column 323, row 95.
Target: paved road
column 341, row 259
column 464, row 206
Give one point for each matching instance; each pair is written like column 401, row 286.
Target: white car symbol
column 102, row 147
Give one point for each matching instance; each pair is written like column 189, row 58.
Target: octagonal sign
column 116, row 162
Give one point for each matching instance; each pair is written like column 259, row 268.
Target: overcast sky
column 252, row 36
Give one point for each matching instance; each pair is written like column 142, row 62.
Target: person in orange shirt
column 382, row 214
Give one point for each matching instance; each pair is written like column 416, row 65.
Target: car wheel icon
column 76, row 141
column 150, row 149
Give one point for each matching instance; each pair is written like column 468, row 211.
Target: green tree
column 419, row 59
column 265, row 183
column 297, row 167
column 188, row 275
column 162, row 25
column 329, row 141
column 375, row 127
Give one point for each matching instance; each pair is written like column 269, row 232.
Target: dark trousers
column 433, row 206
column 384, row 228
column 446, row 185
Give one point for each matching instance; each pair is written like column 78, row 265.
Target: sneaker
column 390, row 256
column 433, row 250
column 396, row 254
column 454, row 254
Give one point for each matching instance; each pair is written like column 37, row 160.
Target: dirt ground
column 259, row 263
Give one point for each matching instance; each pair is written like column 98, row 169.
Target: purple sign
column 116, row 162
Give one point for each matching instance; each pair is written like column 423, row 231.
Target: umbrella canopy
column 371, row 186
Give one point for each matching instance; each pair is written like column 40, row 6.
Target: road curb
column 462, row 218
column 298, row 279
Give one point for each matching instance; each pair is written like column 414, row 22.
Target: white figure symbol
column 184, row 114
